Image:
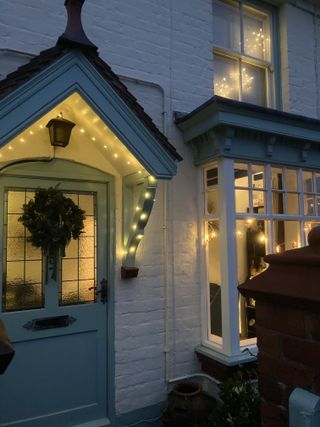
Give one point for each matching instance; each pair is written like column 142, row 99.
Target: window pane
column 212, row 202
column 258, row 198
column 256, row 35
column 276, row 178
column 292, row 203
column 286, row 235
column 317, row 182
column 253, row 84
column 309, row 205
column 226, row 26
column 212, row 191
column 307, row 182
column 242, row 201
column 308, row 226
column 251, row 248
column 277, row 202
column 241, row 175
column 291, row 179
column 214, row 278
column 258, row 176
column 226, row 77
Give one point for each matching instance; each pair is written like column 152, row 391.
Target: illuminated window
column 243, row 54
column 249, row 210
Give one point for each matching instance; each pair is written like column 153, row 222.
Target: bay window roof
column 229, row 128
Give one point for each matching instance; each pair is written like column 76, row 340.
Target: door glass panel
column 23, row 287
column 78, row 267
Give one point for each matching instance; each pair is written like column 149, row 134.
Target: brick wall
column 289, row 354
column 288, row 323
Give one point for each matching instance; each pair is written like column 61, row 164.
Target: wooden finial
column 74, row 32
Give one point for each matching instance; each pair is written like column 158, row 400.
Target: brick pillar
column 287, row 298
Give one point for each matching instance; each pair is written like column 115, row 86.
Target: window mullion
column 241, row 50
column 229, row 277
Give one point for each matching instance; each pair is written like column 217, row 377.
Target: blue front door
column 58, row 327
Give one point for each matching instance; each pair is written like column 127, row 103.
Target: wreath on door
column 52, row 220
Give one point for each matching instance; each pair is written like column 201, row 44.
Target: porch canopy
column 112, row 130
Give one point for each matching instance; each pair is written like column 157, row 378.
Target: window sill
column 220, row 366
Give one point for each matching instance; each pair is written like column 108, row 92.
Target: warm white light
column 31, row 132
column 105, row 146
column 128, row 163
column 10, row 147
column 116, row 155
column 139, row 236
column 41, row 126
column 262, row 238
column 82, row 130
column 124, row 252
column 132, row 249
column 143, row 216
column 93, row 138
column 239, row 233
column 139, row 171
column 138, row 208
column 21, row 139
column 134, row 227
column 152, row 179
column 147, row 195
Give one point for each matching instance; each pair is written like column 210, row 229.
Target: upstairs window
column 243, row 52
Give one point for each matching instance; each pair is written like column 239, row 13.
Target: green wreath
column 52, row 220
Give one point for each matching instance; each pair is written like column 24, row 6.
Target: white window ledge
column 247, row 355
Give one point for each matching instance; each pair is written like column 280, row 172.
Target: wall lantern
column 60, row 131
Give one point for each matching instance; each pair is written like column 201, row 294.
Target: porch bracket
column 135, row 233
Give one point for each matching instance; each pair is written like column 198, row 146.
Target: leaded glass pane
column 23, row 263
column 78, row 267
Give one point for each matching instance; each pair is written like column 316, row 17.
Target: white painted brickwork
column 163, row 51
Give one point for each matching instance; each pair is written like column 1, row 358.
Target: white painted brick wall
column 167, row 43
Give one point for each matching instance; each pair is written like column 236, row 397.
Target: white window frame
column 242, row 58
column 230, row 346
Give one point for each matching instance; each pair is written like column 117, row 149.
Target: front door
column 58, row 376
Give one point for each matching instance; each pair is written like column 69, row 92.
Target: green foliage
column 52, row 220
column 240, row 403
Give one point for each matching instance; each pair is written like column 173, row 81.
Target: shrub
column 240, row 403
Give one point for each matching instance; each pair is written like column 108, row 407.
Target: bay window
column 244, row 59
column 250, row 210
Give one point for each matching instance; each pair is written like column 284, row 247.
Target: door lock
column 103, row 292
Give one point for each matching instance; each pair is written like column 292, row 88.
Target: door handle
column 103, row 292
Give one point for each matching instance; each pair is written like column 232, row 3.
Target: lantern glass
column 60, row 131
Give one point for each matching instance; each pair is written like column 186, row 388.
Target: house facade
column 180, row 209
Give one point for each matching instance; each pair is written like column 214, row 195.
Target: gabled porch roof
column 74, row 67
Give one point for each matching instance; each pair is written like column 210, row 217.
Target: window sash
column 231, row 340
column 244, row 58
